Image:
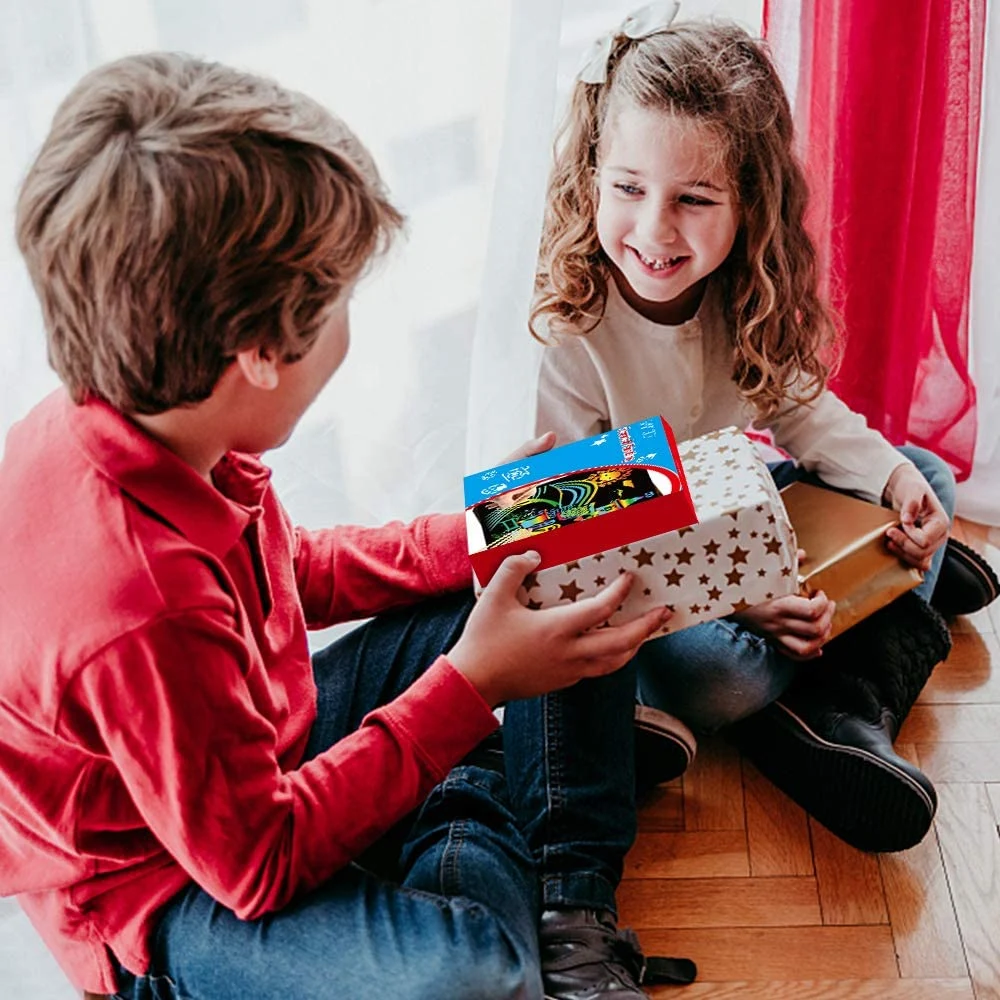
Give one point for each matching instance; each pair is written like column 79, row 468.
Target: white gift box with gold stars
column 741, row 552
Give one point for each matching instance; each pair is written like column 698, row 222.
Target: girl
column 676, row 277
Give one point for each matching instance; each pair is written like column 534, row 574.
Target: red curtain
column 887, row 107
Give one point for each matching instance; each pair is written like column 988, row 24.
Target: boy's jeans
column 719, row 672
column 459, row 919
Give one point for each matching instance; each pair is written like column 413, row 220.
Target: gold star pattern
column 624, row 550
column 531, row 581
column 673, row 578
column 703, row 579
column 570, row 591
column 599, row 581
column 734, row 577
column 644, row 558
column 740, row 605
column 571, row 566
column 773, row 547
column 684, row 557
column 598, row 556
column 714, row 594
column 711, row 548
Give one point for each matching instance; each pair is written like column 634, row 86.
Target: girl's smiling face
column 666, row 216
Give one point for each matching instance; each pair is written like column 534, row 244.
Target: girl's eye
column 692, row 199
column 626, row 188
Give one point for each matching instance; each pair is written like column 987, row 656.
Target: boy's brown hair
column 180, row 211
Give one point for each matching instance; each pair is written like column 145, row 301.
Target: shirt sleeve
column 352, row 572
column 173, row 707
column 571, row 397
column 831, row 440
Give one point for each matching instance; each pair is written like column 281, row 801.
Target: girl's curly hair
column 716, row 75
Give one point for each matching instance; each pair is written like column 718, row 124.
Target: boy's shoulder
column 87, row 558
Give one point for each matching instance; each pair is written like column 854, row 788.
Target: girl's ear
column 259, row 366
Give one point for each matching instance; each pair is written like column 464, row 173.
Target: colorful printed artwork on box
column 607, row 490
column 739, row 552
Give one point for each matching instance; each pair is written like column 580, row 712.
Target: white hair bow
column 641, row 23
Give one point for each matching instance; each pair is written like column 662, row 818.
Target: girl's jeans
column 458, row 917
column 719, row 672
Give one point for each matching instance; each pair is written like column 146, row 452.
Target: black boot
column 827, row 742
column 586, row 957
column 966, row 583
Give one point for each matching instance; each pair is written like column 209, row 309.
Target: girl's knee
column 937, row 472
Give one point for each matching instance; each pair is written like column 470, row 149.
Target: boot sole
column 869, row 802
column 664, row 747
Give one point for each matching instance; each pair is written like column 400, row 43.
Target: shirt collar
column 212, row 517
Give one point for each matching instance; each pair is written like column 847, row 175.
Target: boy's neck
column 186, row 432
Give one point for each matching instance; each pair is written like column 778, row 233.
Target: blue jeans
column 457, row 914
column 719, row 672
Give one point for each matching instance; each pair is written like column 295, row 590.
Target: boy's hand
column 799, row 625
column 533, row 447
column 509, row 651
column 924, row 527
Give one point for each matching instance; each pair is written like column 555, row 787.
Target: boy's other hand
column 533, row 447
column 924, row 524
column 798, row 625
column 509, row 651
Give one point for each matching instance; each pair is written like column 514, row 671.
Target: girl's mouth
column 658, row 263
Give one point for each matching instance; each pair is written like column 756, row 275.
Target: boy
column 183, row 794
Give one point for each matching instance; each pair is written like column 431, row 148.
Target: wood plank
column 993, row 791
column 777, row 953
column 960, row 762
column 951, row 724
column 924, row 925
column 713, row 788
column 718, row 902
column 708, row 854
column 849, row 881
column 971, row 849
column 777, row 829
column 663, row 809
column 893, row 989
column 967, row 675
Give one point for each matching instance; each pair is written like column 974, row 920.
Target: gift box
column 738, row 550
column 600, row 493
column 845, row 552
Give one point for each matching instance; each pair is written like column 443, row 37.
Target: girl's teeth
column 657, row 265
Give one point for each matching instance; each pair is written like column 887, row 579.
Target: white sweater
column 629, row 368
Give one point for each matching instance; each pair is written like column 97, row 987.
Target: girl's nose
column 658, row 225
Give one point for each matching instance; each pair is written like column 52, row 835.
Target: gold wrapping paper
column 846, row 555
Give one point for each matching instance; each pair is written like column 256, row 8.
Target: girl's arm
column 832, row 441
column 572, row 400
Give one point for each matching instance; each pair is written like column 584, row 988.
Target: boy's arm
column 353, row 572
column 173, row 706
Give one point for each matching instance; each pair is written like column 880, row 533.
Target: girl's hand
column 509, row 651
column 924, row 524
column 799, row 626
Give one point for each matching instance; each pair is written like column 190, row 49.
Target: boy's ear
column 259, row 366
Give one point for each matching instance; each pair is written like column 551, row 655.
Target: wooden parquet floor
column 729, row 872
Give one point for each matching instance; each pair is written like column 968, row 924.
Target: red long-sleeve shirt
column 156, row 691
